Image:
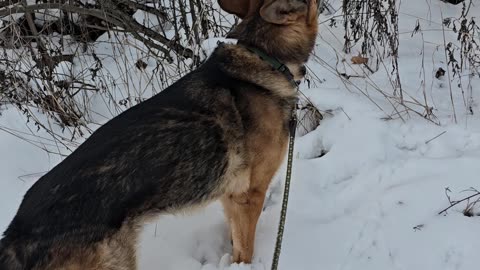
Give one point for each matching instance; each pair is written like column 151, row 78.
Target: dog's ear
column 285, row 11
column 237, row 7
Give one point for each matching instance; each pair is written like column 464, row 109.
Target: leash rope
column 283, row 213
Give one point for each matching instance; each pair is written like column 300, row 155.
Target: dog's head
column 286, row 29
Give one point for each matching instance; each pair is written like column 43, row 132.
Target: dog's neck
column 275, row 63
column 241, row 63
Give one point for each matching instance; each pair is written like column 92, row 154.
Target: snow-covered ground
column 371, row 202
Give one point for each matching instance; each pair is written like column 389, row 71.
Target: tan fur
column 296, row 71
column 237, row 174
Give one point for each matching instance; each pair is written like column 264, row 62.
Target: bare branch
column 113, row 17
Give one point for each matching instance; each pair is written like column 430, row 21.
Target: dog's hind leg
column 116, row 252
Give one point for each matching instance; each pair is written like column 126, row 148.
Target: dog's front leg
column 243, row 211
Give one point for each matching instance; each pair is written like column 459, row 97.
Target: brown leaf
column 358, row 60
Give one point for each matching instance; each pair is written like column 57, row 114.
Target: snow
column 371, row 202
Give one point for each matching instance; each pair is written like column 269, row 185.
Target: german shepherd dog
column 220, row 132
